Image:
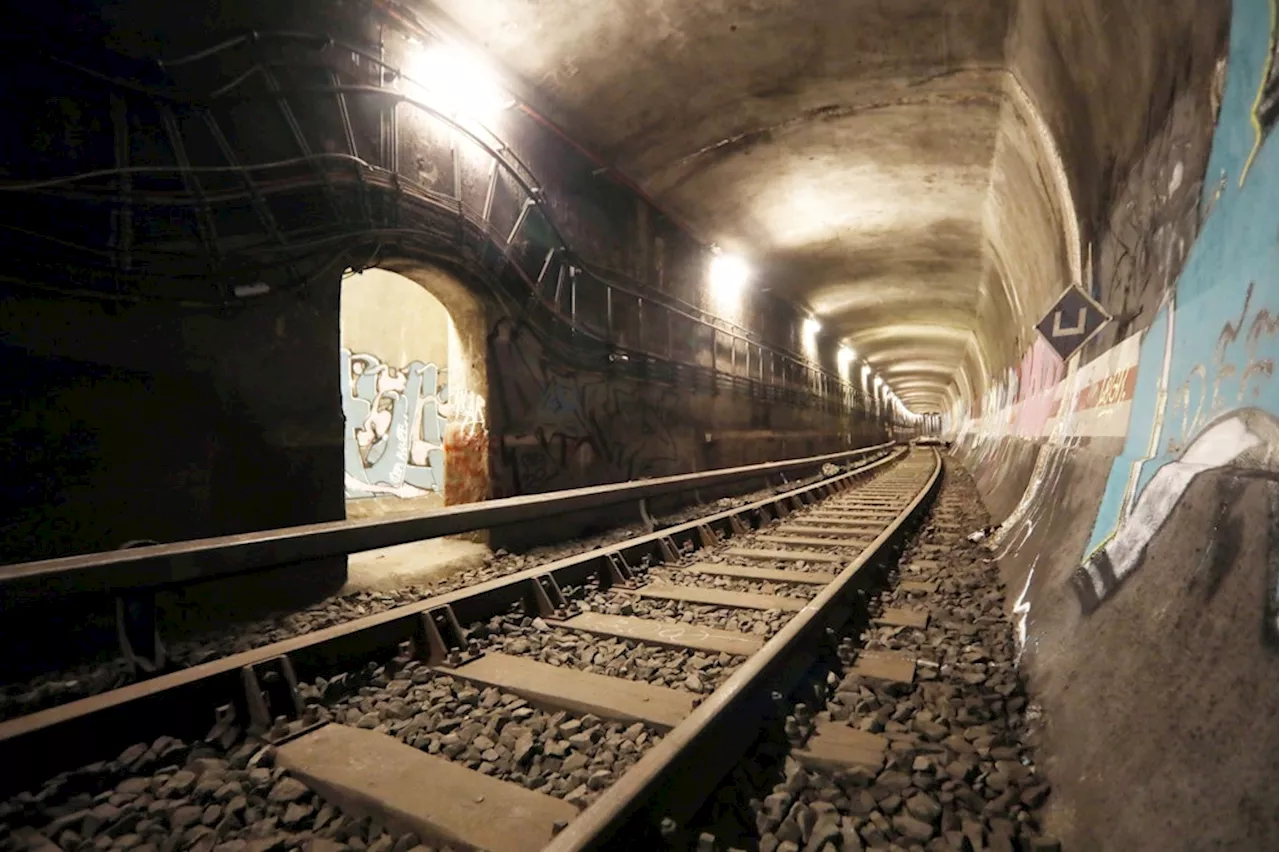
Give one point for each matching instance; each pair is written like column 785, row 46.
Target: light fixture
column 728, row 276
column 844, row 357
column 811, row 327
column 456, row 81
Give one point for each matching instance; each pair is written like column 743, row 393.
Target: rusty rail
column 187, row 562
column 673, row 778
column 183, row 703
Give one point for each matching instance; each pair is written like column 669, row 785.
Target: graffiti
column 1245, row 439
column 1155, row 217
column 1206, row 392
column 1201, row 397
column 563, row 428
column 396, row 424
column 466, row 446
column 1262, row 116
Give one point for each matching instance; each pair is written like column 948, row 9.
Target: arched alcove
column 414, row 390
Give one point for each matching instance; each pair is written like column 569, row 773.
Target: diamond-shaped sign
column 1071, row 322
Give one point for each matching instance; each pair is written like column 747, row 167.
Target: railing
column 310, row 94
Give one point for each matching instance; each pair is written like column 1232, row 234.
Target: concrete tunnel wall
column 1136, row 483
column 164, row 419
column 547, row 424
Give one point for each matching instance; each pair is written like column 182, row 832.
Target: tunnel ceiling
column 844, row 148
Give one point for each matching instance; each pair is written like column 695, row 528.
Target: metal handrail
column 186, row 562
column 814, row 380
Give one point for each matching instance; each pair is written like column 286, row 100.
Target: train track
column 591, row 702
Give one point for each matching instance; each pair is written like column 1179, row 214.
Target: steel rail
column 673, row 778
column 182, row 703
column 202, row 559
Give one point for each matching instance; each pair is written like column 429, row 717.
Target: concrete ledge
column 421, row 562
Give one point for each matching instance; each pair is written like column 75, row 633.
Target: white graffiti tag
column 395, row 425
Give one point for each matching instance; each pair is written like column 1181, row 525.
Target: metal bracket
column 796, row 503
column 616, row 571
column 736, row 524
column 670, row 553
column 441, row 640
column 138, row 633
column 708, row 536
column 649, row 523
column 137, row 625
column 545, row 599
column 270, row 693
column 764, row 514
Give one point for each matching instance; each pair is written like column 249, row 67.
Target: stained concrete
column 410, row 564
column 844, row 148
column 925, row 178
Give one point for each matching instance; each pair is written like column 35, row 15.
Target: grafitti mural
column 1155, row 216
column 563, row 428
column 400, row 425
column 1206, row 373
column 1193, row 393
column 1266, row 102
column 1244, row 438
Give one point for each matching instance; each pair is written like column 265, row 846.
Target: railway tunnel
column 358, row 261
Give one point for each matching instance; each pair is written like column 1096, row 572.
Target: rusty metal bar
column 674, row 776
column 519, row 223
column 201, row 559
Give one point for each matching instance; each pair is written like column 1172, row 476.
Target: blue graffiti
column 394, row 440
column 1209, row 358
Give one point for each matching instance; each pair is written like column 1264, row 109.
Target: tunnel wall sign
column 1070, row 323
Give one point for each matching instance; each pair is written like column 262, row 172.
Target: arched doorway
column 413, row 380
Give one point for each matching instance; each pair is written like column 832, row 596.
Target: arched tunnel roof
column 917, row 174
column 850, row 150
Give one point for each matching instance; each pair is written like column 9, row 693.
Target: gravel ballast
column 959, row 772
column 54, row 688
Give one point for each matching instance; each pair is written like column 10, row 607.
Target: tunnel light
column 844, row 358
column 728, row 276
column 809, row 337
column 456, row 82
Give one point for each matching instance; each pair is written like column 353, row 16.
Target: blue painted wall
column 1212, row 349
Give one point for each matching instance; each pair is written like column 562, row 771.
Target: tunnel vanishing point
column 270, row 264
